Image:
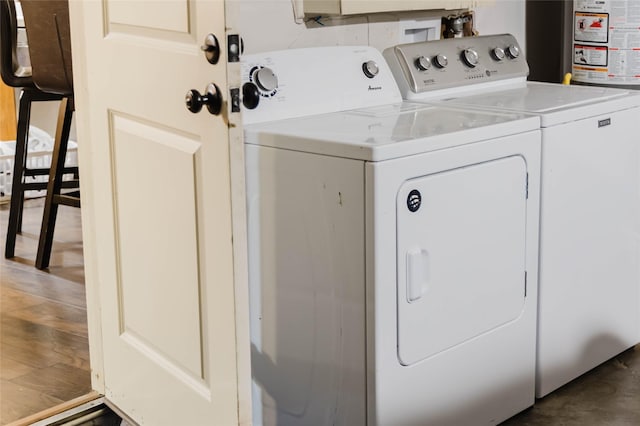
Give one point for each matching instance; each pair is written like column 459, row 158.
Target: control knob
column 266, row 79
column 423, row 63
column 498, row 54
column 470, row 57
column 370, row 69
column 513, row 51
column 440, row 61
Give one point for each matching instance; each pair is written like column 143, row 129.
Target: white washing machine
column 393, row 248
column 589, row 277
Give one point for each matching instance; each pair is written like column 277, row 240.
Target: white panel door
column 157, row 211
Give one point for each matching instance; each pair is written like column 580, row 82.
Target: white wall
column 505, row 16
column 277, row 24
column 44, row 115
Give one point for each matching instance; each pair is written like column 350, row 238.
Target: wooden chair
column 17, row 75
column 48, row 32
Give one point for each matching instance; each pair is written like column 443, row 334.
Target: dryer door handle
column 417, row 274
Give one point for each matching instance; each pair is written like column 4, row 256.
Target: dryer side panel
column 306, row 285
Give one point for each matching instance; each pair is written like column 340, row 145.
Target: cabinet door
column 353, row 7
column 7, row 113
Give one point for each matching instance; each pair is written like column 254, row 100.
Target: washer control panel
column 433, row 65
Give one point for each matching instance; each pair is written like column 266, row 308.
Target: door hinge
column 525, row 283
column 234, row 96
column 235, row 47
column 527, row 187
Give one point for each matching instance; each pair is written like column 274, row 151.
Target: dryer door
column 461, row 255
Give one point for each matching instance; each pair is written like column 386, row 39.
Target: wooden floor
column 44, row 354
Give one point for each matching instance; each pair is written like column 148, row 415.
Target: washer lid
column 555, row 103
column 388, row 131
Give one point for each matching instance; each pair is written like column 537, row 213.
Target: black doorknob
column 211, row 49
column 250, row 95
column 212, row 98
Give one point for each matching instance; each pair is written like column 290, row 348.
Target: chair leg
column 55, row 182
column 21, row 209
column 20, row 161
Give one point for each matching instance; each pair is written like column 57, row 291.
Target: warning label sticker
column 593, row 27
column 606, row 41
column 590, row 55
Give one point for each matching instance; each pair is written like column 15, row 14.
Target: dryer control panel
column 441, row 64
column 299, row 82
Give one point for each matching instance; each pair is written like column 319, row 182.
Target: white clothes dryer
column 392, row 248
column 589, row 277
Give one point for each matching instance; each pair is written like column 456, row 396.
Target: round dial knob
column 470, row 57
column 370, row 69
column 498, row 53
column 423, row 63
column 440, row 61
column 513, row 51
column 266, row 79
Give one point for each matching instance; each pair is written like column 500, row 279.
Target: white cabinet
column 353, row 7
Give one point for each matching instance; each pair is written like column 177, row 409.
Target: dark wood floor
column 44, row 354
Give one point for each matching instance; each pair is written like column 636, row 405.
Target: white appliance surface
column 451, row 320
column 388, row 131
column 449, row 287
column 391, row 253
column 554, row 103
column 589, row 273
column 317, row 81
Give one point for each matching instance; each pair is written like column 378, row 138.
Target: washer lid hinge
column 525, row 283
column 527, row 187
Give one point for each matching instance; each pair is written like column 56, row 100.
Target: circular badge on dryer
column 414, row 200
